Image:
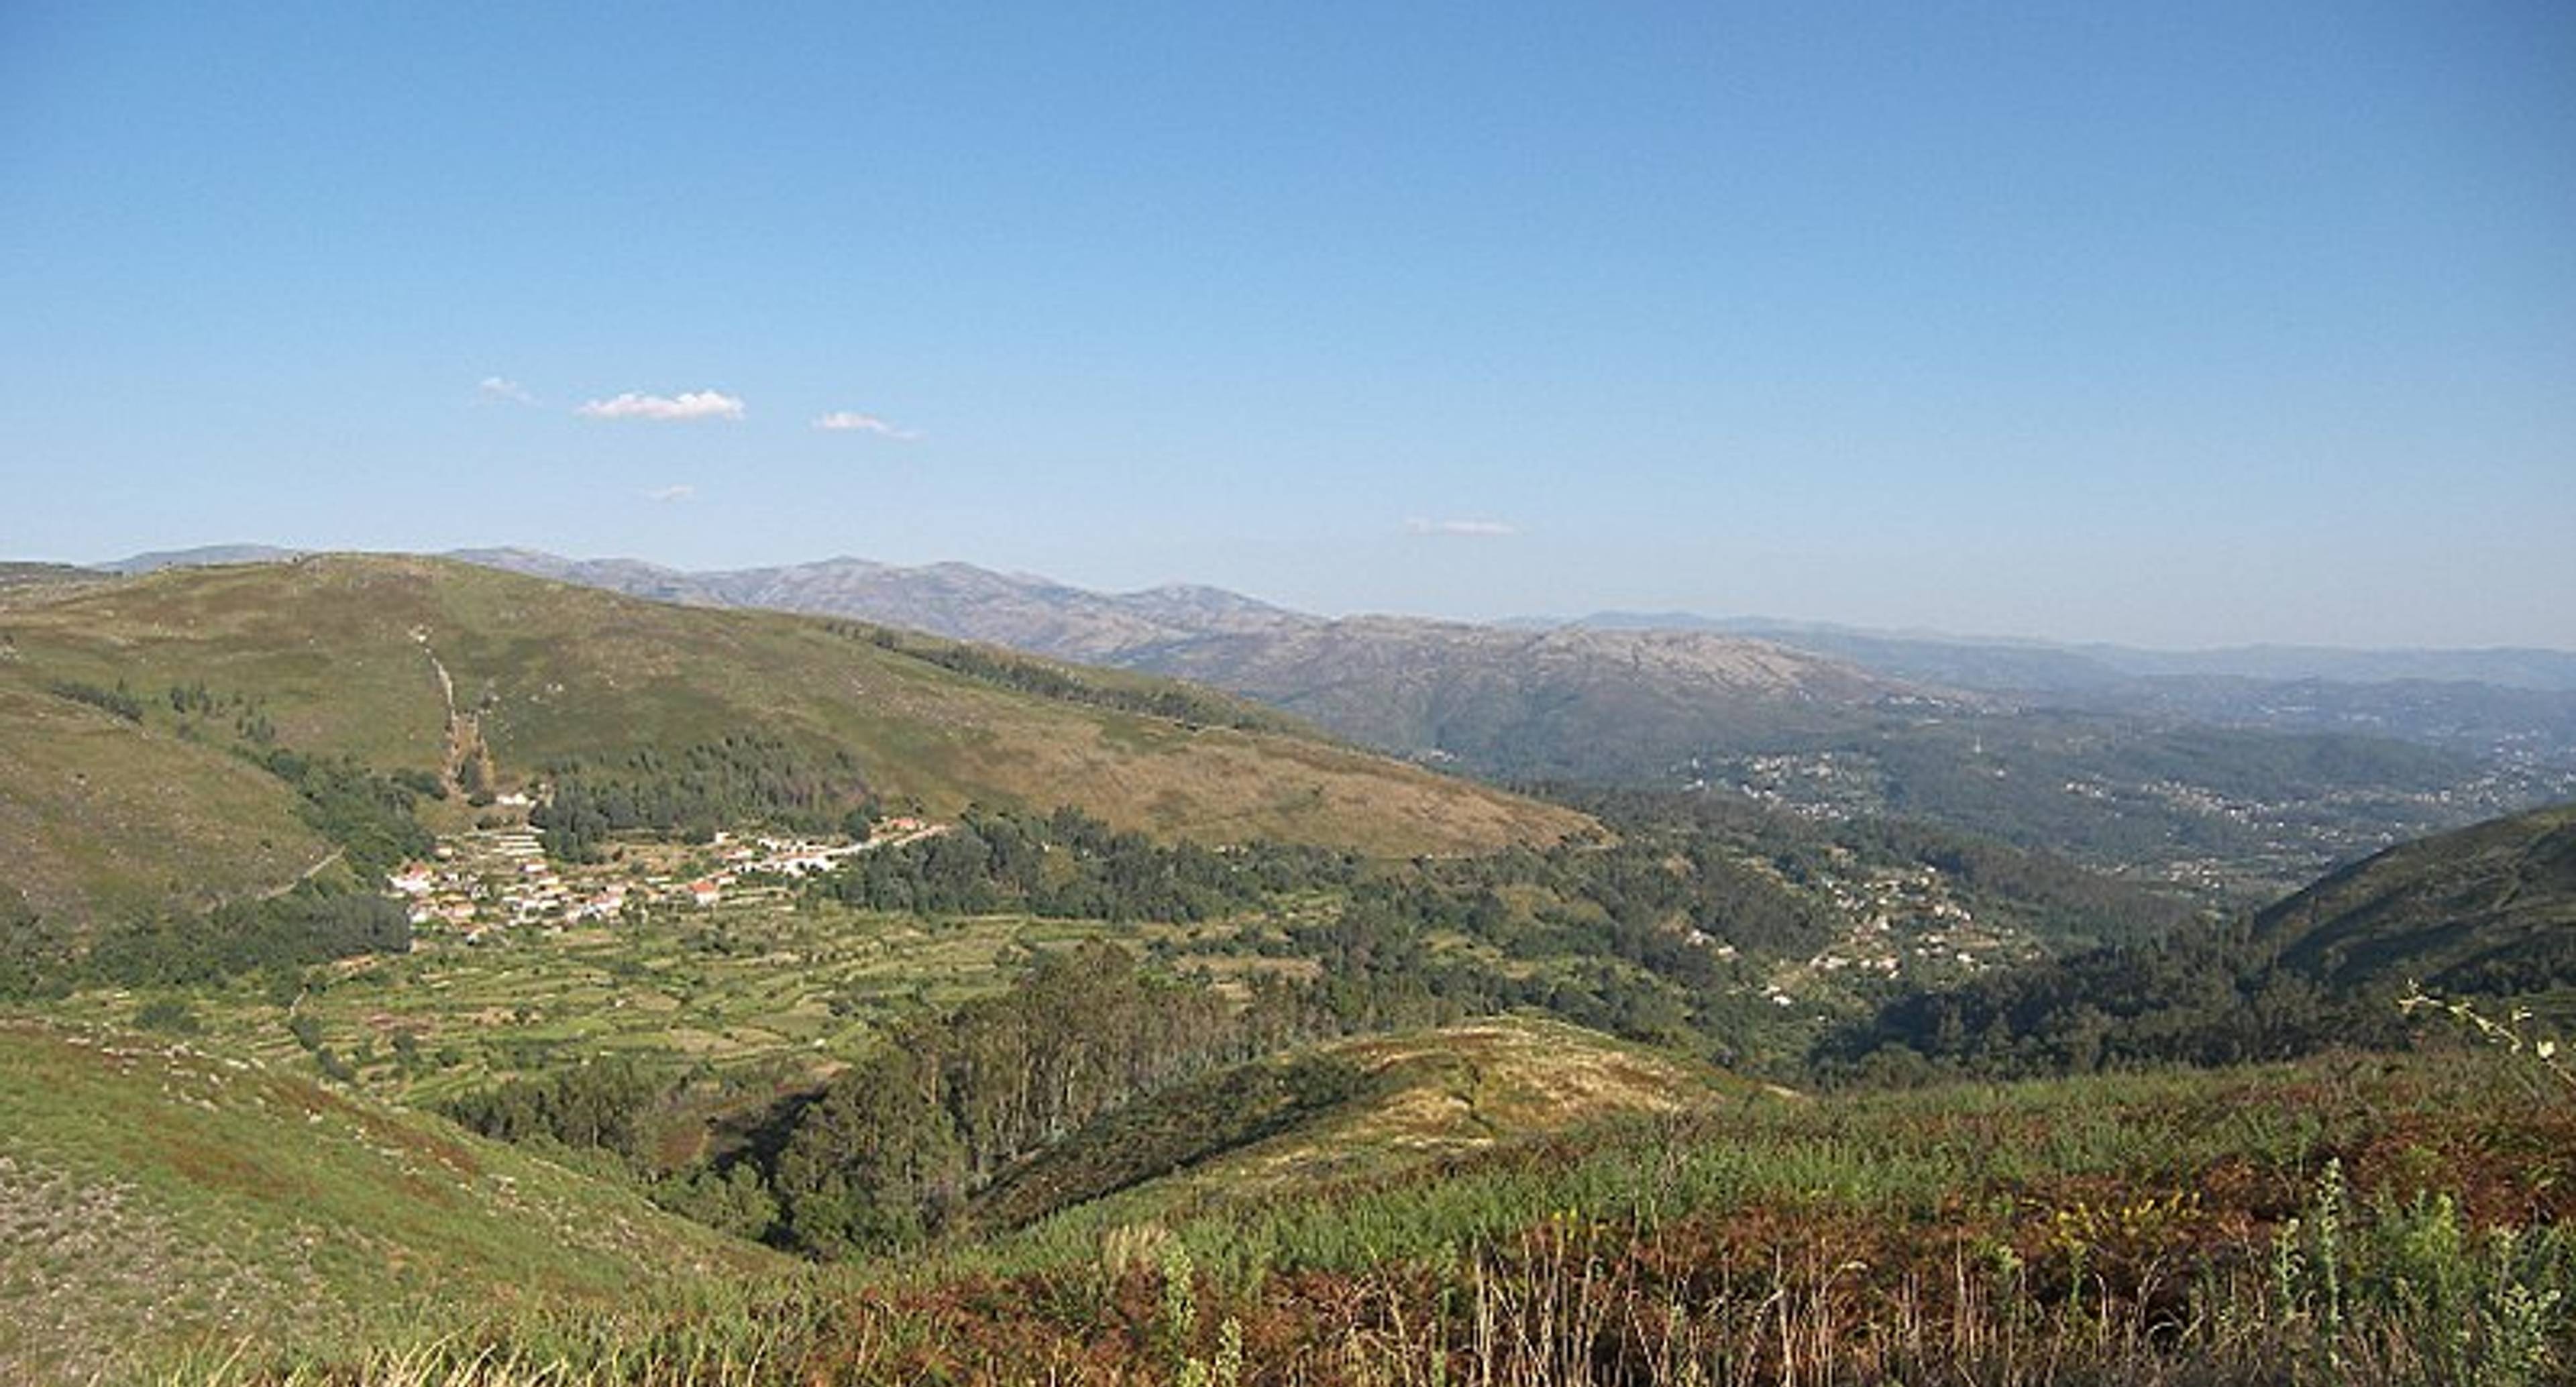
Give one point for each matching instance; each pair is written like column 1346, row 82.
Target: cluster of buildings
column 1902, row 922
column 501, row 877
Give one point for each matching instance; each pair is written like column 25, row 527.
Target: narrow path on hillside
column 306, row 875
column 464, row 730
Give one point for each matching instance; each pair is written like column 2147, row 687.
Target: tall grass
column 2330, row 1223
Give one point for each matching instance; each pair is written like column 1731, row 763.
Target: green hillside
column 369, row 656
column 2398, row 1223
column 154, row 1194
column 104, row 816
column 2485, row 912
column 2489, row 909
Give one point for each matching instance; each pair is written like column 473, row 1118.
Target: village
column 1902, row 922
column 501, row 878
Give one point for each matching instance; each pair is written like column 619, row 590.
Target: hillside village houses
column 496, row 877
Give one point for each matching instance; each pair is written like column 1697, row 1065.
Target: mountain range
column 967, row 602
column 145, row 715
column 2241, row 772
column 306, row 1149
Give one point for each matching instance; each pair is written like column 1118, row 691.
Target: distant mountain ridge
column 2232, row 784
column 1508, row 702
column 965, row 602
column 203, row 556
column 1996, row 662
column 956, row 600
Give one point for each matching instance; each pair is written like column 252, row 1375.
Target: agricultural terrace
column 755, row 981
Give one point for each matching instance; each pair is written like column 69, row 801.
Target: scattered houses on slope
column 498, row 877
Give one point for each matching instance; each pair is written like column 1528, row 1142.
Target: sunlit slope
column 155, row 1195
column 2490, row 908
column 1359, row 1108
column 344, row 653
column 101, row 817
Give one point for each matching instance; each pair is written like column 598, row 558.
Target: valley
column 867, row 1035
column 909, row 695
column 2238, row 775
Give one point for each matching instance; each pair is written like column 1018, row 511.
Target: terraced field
column 751, row 983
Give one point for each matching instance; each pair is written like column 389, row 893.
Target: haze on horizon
column 2178, row 326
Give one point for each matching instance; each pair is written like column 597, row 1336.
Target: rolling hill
column 1365, row 1108
column 402, row 663
column 2488, row 910
column 1577, row 704
column 2223, row 774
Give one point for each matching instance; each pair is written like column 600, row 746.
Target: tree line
column 693, row 792
column 1070, row 865
column 314, row 923
column 890, row 1150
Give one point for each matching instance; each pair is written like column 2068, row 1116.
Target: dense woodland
column 1070, row 865
column 747, row 778
column 367, row 815
column 893, row 1147
column 2204, row 995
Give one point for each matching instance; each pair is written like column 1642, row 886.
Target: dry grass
column 338, row 653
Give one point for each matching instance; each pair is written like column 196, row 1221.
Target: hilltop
column 445, row 670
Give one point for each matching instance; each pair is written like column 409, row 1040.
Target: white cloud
column 1482, row 529
column 670, row 493
column 503, row 388
column 694, row 404
column 851, row 421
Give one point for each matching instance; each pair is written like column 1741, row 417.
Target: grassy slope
column 152, row 1194
column 2438, row 909
column 102, row 816
column 1363, row 1108
column 2333, row 1221
column 338, row 650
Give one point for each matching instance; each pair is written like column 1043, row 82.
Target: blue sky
column 2173, row 324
